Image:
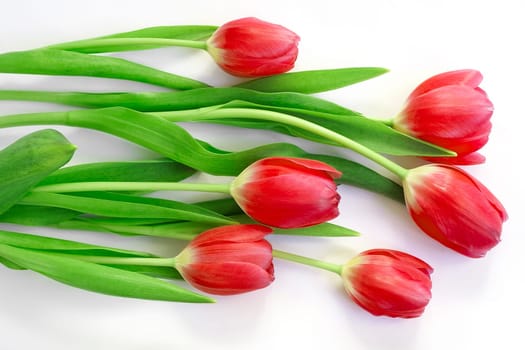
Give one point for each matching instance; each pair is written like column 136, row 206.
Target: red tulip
column 287, row 192
column 451, row 111
column 228, row 260
column 249, row 47
column 388, row 283
column 454, row 208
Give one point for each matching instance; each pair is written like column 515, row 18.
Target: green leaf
column 34, row 215
column 35, row 242
column 24, row 163
column 177, row 100
column 320, row 230
column 164, row 272
column 158, row 170
column 192, row 212
column 186, row 32
column 162, row 136
column 369, row 133
column 313, row 81
column 68, row 63
column 10, row 264
column 183, row 230
column 117, row 205
column 99, row 278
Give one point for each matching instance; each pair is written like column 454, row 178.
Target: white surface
column 477, row 304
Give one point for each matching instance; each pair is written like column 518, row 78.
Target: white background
column 477, row 303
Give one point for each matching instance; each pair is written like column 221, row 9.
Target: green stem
column 133, row 186
column 250, row 113
column 112, row 42
column 307, row 261
column 112, row 260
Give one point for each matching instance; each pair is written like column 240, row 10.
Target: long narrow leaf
column 117, row 207
column 68, row 63
column 36, row 215
column 35, row 242
column 156, row 170
column 177, row 100
column 313, row 81
column 99, row 278
column 186, row 32
column 369, row 133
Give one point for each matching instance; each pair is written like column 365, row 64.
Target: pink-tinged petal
column 388, row 283
column 454, row 208
column 468, row 77
column 227, row 278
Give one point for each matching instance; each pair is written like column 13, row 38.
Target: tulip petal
column 249, row 47
column 455, row 209
column 468, row 77
column 227, row 278
column 302, row 164
column 231, row 233
column 388, row 282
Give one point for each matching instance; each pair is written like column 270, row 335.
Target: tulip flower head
column 454, row 208
column 228, row 260
column 388, row 283
column 249, row 47
column 451, row 111
column 287, row 192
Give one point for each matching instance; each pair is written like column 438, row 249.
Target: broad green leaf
column 185, row 32
column 98, row 278
column 10, row 264
column 164, row 137
column 157, row 170
column 313, row 81
column 27, row 161
column 58, row 62
column 34, row 215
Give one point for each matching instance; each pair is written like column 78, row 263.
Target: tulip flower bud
column 228, row 260
column 388, row 283
column 249, row 47
column 454, row 208
column 451, row 111
column 287, row 192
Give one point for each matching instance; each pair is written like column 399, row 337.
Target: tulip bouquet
column 276, row 188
